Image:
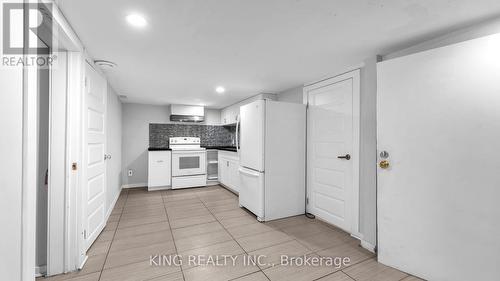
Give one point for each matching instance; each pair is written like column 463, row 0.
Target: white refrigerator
column 272, row 159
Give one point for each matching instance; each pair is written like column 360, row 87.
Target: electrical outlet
column 130, row 173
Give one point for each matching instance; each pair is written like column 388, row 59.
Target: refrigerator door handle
column 248, row 173
column 237, row 133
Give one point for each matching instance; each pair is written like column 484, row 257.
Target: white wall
column 294, row 95
column 212, row 117
column 368, row 152
column 485, row 28
column 135, row 122
column 252, row 99
column 11, row 122
column 114, row 147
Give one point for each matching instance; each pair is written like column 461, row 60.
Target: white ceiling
column 251, row 46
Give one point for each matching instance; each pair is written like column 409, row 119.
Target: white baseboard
column 83, row 262
column 108, row 213
column 133, row 185
column 368, row 246
column 40, row 270
column 230, row 189
column 212, row 182
column 156, row 188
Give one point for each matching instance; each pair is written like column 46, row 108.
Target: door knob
column 346, row 157
column 384, row 164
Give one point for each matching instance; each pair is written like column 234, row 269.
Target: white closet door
column 439, row 121
column 332, row 150
column 95, row 142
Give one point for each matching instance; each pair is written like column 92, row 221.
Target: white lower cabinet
column 159, row 170
column 228, row 170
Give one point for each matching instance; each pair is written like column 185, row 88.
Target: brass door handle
column 346, row 157
column 384, row 164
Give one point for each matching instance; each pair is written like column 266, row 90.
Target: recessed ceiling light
column 136, row 20
column 220, row 90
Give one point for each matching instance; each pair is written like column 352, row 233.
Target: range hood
column 187, row 113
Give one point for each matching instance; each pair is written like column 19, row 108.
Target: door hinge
column 85, row 234
column 74, row 166
column 307, row 200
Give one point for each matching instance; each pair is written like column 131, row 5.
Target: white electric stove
column 188, row 162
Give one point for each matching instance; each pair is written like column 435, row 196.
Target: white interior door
column 95, row 140
column 332, row 150
column 439, row 121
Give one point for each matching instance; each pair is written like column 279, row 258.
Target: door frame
column 355, row 75
column 67, row 246
column 67, row 40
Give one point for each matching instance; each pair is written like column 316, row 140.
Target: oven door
column 188, row 163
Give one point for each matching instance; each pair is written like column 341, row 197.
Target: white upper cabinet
column 224, row 120
column 235, row 112
column 229, row 115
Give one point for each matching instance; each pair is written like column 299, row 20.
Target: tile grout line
column 348, row 275
column 236, row 241
column 205, row 202
column 128, row 263
column 171, row 233
column 335, row 273
column 232, row 237
column 112, row 239
column 347, row 267
column 216, row 220
column 140, row 225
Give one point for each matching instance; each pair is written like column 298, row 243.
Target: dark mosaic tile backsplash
column 209, row 135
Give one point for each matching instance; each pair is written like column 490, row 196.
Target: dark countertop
column 226, row 148
column 158, row 148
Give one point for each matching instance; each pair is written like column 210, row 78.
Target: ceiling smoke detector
column 105, row 64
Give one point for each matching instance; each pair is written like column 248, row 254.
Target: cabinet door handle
column 227, row 163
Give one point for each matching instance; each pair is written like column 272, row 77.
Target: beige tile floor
column 207, row 222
